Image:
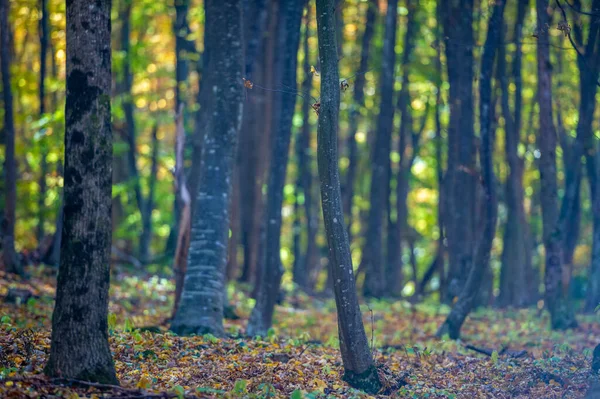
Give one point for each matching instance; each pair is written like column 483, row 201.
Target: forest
column 299, row 199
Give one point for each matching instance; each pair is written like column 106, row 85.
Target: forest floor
column 300, row 357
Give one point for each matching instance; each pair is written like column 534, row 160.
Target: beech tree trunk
column 359, row 368
column 261, row 317
column 79, row 343
column 201, row 305
column 9, row 255
column 468, row 296
column 556, row 300
column 374, row 285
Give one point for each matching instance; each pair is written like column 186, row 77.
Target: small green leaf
column 495, row 357
column 240, row 386
column 179, row 391
column 297, row 394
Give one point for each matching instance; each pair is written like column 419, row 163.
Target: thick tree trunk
column 201, row 306
column 561, row 312
column 359, row 369
column 358, row 102
column 268, row 287
column 374, row 285
column 79, row 344
column 460, row 180
column 9, row 255
column 516, row 272
column 468, row 296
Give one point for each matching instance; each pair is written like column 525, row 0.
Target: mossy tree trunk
column 359, row 369
column 79, row 345
column 201, row 305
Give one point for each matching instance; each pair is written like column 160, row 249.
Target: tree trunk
column 43, row 33
column 307, row 262
column 407, row 153
column 359, row 368
column 374, row 285
column 256, row 132
column 460, row 181
column 561, row 312
column 358, row 102
column 285, row 103
column 468, row 296
column 185, row 214
column 200, row 309
column 146, row 237
column 10, row 258
column 516, row 272
column 79, row 343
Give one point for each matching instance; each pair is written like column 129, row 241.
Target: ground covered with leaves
column 503, row 354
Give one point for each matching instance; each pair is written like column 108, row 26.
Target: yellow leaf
column 144, row 382
column 313, row 70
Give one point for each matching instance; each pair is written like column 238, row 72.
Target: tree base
column 183, row 329
column 367, row 381
column 101, row 374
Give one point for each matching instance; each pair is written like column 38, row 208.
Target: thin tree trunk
column 359, row 368
column 516, row 272
column 43, row 33
column 468, row 296
column 303, row 270
column 257, row 129
column 285, row 103
column 146, row 237
column 358, row 103
column 407, row 153
column 561, row 312
column 201, row 306
column 79, row 346
column 374, row 285
column 185, row 215
column 460, row 205
column 10, row 258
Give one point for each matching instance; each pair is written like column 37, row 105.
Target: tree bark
column 285, row 103
column 468, row 296
column 374, row 285
column 79, row 346
column 359, row 368
column 516, row 273
column 200, row 309
column 358, row 103
column 556, row 301
column 460, row 182
column 9, row 255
